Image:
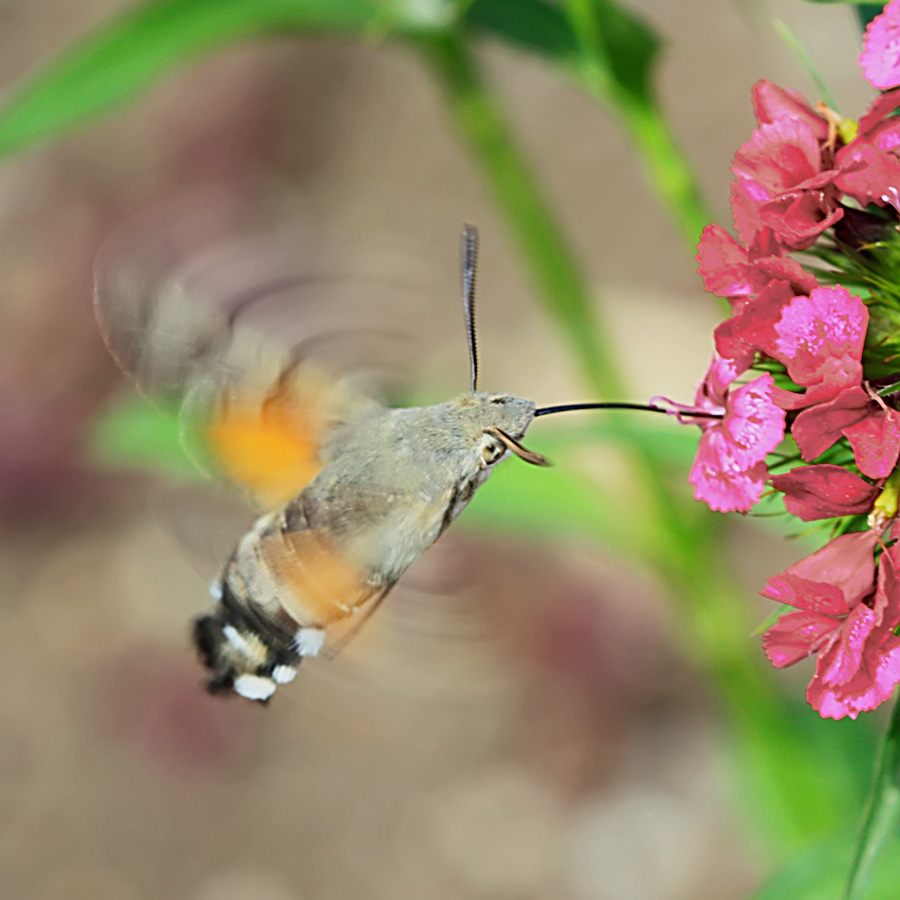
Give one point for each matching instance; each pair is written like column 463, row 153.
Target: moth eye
column 492, row 452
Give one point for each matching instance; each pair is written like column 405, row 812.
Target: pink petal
column 722, row 262
column 765, row 259
column 883, row 105
column 753, row 423
column 753, row 328
column 818, row 427
column 795, row 636
column 832, row 580
column 827, row 704
column 779, row 156
column 712, row 392
column 798, row 218
column 820, row 338
column 718, row 479
column 871, row 686
column 876, row 441
column 881, row 676
column 780, row 185
column 820, row 492
column 887, row 596
column 789, row 400
column 869, row 171
column 811, row 595
column 880, row 56
column 728, row 472
column 845, row 657
column 746, row 199
column 772, row 102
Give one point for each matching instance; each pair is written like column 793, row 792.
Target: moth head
column 504, row 418
column 496, row 424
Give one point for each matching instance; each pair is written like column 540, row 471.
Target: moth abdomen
column 244, row 651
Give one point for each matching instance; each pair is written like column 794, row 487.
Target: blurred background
column 524, row 718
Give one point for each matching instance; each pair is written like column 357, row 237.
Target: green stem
column 665, row 166
column 882, row 812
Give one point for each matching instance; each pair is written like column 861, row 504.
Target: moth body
column 388, row 492
column 351, row 492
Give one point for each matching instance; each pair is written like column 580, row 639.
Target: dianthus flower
column 844, row 617
column 819, row 339
column 784, row 183
column 825, row 343
column 742, row 426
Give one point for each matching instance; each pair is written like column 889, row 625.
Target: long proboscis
column 537, row 459
column 641, row 407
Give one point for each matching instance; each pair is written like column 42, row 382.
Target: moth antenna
column 468, row 266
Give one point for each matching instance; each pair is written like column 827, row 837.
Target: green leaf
column 132, row 51
column 612, row 54
column 531, row 25
column 629, row 45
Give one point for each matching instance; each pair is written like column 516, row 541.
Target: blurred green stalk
column 666, row 168
column 881, row 816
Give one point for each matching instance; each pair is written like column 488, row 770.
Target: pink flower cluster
column 827, row 364
column 794, row 181
column 846, row 615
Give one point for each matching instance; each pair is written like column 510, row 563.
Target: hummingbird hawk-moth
column 351, row 491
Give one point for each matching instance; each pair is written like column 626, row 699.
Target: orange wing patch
column 270, row 448
column 320, row 585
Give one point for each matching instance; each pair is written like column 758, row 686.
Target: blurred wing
column 230, row 331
